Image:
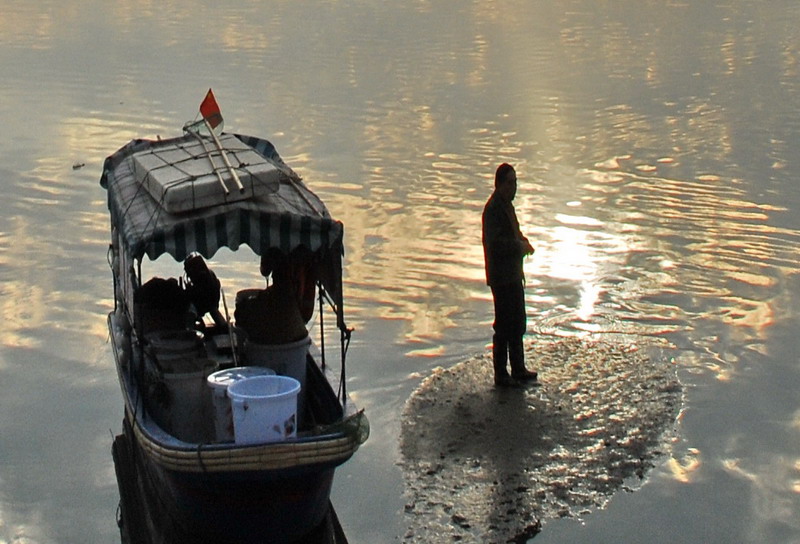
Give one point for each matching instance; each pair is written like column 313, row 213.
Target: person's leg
column 500, row 356
column 516, row 355
column 517, row 326
column 503, row 299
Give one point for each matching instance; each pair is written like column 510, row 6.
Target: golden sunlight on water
column 619, row 239
column 701, row 239
column 23, row 303
column 63, row 187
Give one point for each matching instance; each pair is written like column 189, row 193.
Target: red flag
column 209, row 109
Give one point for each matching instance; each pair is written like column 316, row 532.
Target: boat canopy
column 290, row 218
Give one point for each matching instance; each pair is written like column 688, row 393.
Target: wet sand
column 484, row 464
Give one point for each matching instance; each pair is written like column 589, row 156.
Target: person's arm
column 527, row 248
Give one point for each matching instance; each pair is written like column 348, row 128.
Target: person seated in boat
column 303, row 271
column 272, row 315
column 161, row 305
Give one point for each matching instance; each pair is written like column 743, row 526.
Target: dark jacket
column 503, row 242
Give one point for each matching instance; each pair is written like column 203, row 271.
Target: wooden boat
column 169, row 335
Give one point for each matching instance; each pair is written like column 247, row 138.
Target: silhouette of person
column 272, row 315
column 504, row 247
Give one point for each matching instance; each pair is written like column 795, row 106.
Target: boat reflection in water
column 255, row 461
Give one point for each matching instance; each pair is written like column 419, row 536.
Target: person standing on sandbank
column 504, row 247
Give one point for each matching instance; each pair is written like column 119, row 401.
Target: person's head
column 274, row 263
column 505, row 180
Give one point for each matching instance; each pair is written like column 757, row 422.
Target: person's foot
column 505, row 381
column 525, row 376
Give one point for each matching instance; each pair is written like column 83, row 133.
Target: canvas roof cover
column 291, row 217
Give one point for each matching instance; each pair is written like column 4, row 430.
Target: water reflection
column 774, row 483
column 655, row 142
column 45, row 301
column 685, row 469
column 705, row 236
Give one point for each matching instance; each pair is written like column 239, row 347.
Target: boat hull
column 240, row 507
column 158, row 507
column 226, row 492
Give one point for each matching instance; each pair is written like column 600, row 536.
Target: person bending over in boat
column 203, row 289
column 504, row 247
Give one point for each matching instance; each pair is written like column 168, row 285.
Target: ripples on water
column 655, row 143
column 668, row 251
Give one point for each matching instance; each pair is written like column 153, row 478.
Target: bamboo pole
column 211, row 160
column 224, row 157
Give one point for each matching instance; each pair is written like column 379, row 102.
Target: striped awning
column 290, row 218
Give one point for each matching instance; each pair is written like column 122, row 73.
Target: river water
column 656, row 147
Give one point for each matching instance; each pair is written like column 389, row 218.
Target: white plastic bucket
column 219, row 383
column 264, row 409
column 285, row 359
column 176, row 351
column 186, row 414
